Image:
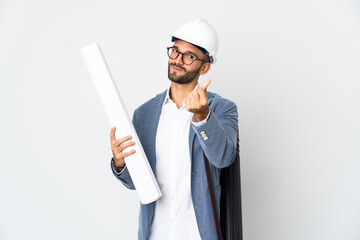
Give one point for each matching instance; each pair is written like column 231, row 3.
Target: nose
column 178, row 59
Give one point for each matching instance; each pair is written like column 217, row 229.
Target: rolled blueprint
column 137, row 164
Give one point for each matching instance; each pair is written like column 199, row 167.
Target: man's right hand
column 117, row 147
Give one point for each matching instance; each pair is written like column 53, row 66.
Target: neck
column 179, row 92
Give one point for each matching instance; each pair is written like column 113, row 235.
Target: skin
column 184, row 79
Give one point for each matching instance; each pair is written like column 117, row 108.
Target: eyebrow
column 186, row 51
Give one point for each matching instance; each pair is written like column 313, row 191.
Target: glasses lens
column 188, row 58
column 172, row 53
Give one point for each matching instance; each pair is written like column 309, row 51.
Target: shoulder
column 152, row 103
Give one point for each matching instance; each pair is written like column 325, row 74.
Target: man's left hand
column 197, row 102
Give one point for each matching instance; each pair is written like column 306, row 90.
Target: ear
column 205, row 68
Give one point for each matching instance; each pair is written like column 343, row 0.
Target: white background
column 292, row 67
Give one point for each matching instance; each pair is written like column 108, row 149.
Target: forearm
column 218, row 138
column 122, row 175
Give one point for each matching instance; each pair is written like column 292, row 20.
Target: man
column 175, row 128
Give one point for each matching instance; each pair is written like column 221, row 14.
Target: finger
column 196, row 98
column 194, row 95
column 124, row 146
column 126, row 154
column 119, row 154
column 189, row 103
column 119, row 157
column 205, row 84
column 112, row 135
column 121, row 141
column 203, row 98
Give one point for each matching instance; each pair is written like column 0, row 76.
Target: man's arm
column 217, row 132
column 123, row 176
column 218, row 135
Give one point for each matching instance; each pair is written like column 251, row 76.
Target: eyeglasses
column 187, row 58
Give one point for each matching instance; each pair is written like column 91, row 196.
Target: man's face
column 181, row 73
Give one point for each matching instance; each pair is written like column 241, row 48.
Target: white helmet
column 201, row 34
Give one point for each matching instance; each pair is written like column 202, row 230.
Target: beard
column 188, row 76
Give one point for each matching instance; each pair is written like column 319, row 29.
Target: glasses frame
column 182, row 56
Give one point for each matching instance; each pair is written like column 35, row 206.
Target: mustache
column 173, row 64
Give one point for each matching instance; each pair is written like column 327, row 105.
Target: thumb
column 205, row 84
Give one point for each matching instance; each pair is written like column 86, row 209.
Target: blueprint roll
column 137, row 164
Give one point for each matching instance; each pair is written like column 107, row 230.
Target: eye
column 190, row 56
column 174, row 50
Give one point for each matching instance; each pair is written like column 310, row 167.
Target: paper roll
column 137, row 164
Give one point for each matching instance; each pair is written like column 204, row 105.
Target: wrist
column 200, row 116
column 118, row 168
